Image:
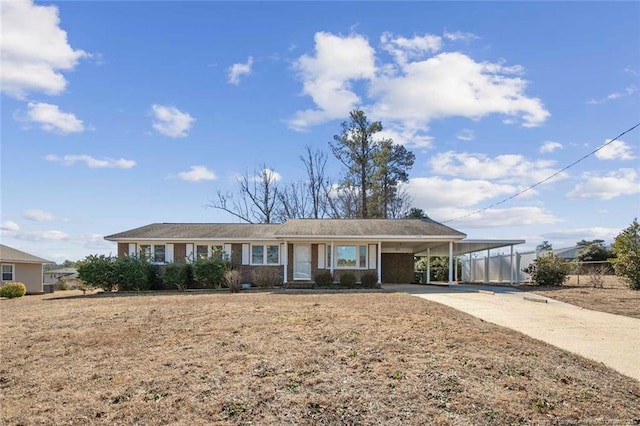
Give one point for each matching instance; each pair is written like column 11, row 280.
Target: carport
column 463, row 247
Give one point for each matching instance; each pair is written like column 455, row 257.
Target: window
column 257, row 255
column 7, row 272
column 265, row 255
column 273, row 257
column 351, row 257
column 145, row 251
column 217, row 251
column 202, row 251
column 159, row 254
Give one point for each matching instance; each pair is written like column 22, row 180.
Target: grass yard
column 611, row 296
column 297, row 359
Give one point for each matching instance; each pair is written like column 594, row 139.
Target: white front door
column 302, row 262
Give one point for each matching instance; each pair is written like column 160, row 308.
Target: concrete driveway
column 611, row 339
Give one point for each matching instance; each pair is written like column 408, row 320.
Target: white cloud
column 39, row 215
column 630, row 90
column 466, row 135
column 43, row 235
column 197, row 174
column 271, row 174
column 411, row 90
column 170, row 121
column 403, row 49
column 616, row 150
column 550, row 146
column 9, row 225
column 94, row 163
column 437, row 192
column 570, row 236
column 507, row 166
column 327, row 77
column 615, row 184
column 460, row 36
column 51, row 119
column 452, row 84
column 238, row 70
column 34, row 49
column 494, row 217
column 406, row 136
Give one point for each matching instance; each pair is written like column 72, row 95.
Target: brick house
column 299, row 248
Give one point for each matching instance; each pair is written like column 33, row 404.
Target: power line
column 543, row 180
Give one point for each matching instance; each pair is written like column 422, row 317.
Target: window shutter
column 133, row 249
column 373, row 256
column 322, row 255
column 189, row 252
column 168, row 255
column 245, row 254
column 227, row 251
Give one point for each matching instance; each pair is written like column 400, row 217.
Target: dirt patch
column 302, row 359
column 619, row 301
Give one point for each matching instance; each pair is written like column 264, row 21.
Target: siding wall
column 29, row 274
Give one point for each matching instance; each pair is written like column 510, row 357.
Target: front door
column 302, row 262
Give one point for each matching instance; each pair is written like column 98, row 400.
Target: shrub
column 209, row 271
column 13, row 289
column 131, row 273
column 627, row 249
column 347, row 279
column 369, row 280
column 323, row 279
column 234, row 280
column 549, row 269
column 61, row 285
column 178, row 275
column 266, row 277
column 97, row 271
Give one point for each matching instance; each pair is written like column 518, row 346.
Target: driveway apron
column 613, row 340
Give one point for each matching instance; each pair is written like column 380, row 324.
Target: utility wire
column 543, row 180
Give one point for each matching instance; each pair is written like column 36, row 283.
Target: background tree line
column 369, row 186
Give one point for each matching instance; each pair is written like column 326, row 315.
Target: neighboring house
column 300, row 248
column 53, row 275
column 22, row 267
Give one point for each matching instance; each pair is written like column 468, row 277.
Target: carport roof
column 469, row 246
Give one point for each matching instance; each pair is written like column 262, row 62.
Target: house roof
column 353, row 228
column 66, row 271
column 198, row 231
column 292, row 228
column 11, row 255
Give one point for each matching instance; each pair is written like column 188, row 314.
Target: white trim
column 379, row 253
column 133, row 249
column 13, row 272
column 168, row 253
column 450, row 262
column 322, row 255
column 373, row 256
column 285, row 260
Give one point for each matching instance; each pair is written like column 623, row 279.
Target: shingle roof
column 414, row 228
column 9, row 254
column 366, row 227
column 199, row 231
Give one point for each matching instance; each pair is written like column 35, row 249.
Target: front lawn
column 295, row 359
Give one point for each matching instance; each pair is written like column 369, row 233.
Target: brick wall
column 123, row 249
column 397, row 268
column 179, row 252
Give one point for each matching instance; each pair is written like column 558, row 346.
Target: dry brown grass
column 295, row 359
column 604, row 293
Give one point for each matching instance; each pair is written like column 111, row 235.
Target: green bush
column 234, row 280
column 266, row 277
column 13, row 289
column 178, row 275
column 131, row 273
column 369, row 280
column 627, row 249
column 97, row 271
column 210, row 271
column 323, row 279
column 549, row 269
column 347, row 279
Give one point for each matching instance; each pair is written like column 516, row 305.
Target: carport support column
column 450, row 262
column 428, row 266
column 379, row 262
column 333, row 252
column 487, row 262
column 470, row 267
column 285, row 257
column 511, row 264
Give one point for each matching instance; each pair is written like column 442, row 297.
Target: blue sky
column 120, row 114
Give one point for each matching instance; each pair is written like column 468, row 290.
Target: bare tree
column 315, row 163
column 399, row 204
column 295, row 201
column 257, row 200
